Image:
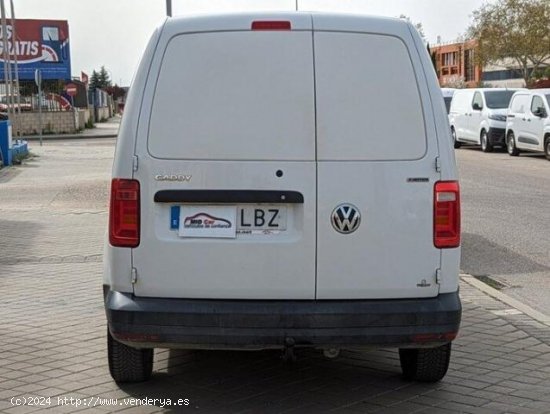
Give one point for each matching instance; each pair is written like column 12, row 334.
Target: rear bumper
column 255, row 324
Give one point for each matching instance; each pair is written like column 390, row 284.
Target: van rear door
column 227, row 166
column 377, row 153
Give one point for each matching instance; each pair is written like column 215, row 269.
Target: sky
column 114, row 33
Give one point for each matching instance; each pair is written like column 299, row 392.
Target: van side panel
column 450, row 258
column 117, row 262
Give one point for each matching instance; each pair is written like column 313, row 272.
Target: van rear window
column 235, row 96
column 368, row 102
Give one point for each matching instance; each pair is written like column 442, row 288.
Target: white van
column 528, row 125
column 448, row 97
column 284, row 180
column 478, row 116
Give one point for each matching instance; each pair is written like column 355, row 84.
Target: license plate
column 226, row 221
column 261, row 217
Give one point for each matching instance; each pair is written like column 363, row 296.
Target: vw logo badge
column 346, row 218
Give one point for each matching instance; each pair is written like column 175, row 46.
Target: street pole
column 40, row 109
column 18, row 90
column 74, row 114
column 169, row 8
column 38, row 81
column 6, row 56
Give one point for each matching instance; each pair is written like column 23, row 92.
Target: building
column 456, row 68
column 455, row 64
column 506, row 73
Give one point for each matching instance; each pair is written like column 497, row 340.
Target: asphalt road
column 506, row 222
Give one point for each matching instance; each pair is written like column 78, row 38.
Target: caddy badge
column 172, row 177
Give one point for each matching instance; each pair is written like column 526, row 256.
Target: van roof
column 472, row 90
column 498, row 89
column 544, row 91
column 299, row 21
column 448, row 92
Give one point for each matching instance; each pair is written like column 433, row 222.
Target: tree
column 104, row 79
column 433, row 57
column 513, row 31
column 100, row 79
column 454, row 81
column 417, row 26
column 94, row 81
column 116, row 91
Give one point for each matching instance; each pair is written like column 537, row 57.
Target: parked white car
column 478, row 116
column 263, row 195
column 528, row 125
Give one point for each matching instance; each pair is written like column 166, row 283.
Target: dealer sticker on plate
column 208, row 221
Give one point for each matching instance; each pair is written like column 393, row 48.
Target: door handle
column 229, row 196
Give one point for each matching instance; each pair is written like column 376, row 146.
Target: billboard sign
column 39, row 44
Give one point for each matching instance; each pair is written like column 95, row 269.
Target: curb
column 502, row 297
column 62, row 137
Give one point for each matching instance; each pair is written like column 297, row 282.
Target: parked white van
column 528, row 126
column 448, row 97
column 283, row 180
column 478, row 116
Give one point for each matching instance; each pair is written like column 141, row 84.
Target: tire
column 425, row 364
column 511, row 145
column 547, row 147
column 486, row 144
column 127, row 364
column 456, row 143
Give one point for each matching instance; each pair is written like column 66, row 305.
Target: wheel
column 486, row 144
column 456, row 143
column 127, row 364
column 511, row 145
column 547, row 147
column 425, row 364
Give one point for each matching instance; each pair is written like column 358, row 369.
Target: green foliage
column 94, row 80
column 89, row 124
column 417, row 26
column 100, row 79
column 433, row 57
column 18, row 158
column 513, row 31
column 104, row 79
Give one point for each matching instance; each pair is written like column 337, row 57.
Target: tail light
column 271, row 25
column 124, row 213
column 446, row 214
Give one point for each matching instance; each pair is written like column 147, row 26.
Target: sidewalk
column 107, row 129
column 53, row 341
